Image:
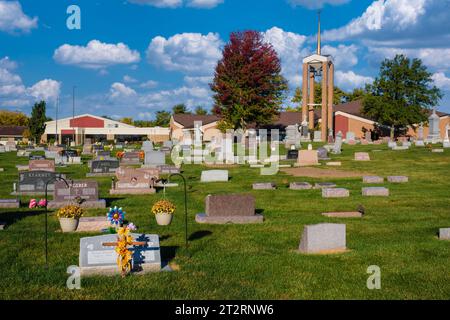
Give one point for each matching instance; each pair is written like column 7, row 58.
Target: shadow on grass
column 168, row 254
column 199, row 235
column 109, row 201
column 259, row 211
column 13, row 217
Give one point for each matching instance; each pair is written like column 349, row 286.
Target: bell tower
column 318, row 67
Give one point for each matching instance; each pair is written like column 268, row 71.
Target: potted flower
column 163, row 211
column 69, row 217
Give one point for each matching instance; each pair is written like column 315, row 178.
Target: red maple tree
column 248, row 84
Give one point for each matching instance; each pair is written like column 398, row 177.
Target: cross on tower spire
column 319, row 50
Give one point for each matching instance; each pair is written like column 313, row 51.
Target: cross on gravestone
column 116, row 244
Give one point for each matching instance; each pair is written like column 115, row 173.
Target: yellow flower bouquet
column 163, row 207
column 70, row 212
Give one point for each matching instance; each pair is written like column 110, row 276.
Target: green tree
column 143, row 123
column 356, row 94
column 11, row 118
column 127, row 120
column 180, row 109
column 37, row 121
column 402, row 93
column 162, row 119
column 200, row 111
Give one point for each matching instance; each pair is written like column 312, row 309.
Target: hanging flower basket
column 69, row 217
column 163, row 211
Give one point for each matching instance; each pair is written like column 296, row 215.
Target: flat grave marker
column 323, row 238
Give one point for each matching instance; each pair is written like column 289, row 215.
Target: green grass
column 399, row 234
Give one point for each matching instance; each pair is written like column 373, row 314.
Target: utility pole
column 57, row 106
column 73, row 111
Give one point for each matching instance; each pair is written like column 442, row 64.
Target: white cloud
column 96, row 55
column 13, row 19
column 441, row 81
column 436, row 58
column 7, row 63
column 290, row 49
column 317, row 4
column 344, row 57
column 186, row 52
column 207, row 4
column 350, row 80
column 194, row 81
column 129, row 79
column 47, row 90
column 119, row 91
column 166, row 99
column 14, row 93
column 150, row 84
column 145, row 115
column 203, row 4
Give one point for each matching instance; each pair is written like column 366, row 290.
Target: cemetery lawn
column 398, row 234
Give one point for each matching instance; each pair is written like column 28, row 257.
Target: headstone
column 350, row 137
column 2, row 148
column 234, row 208
column 51, row 154
column 292, row 155
column 362, row 156
column 103, row 154
column 368, row 136
column 214, row 176
column 97, row 259
column 434, row 135
column 322, row 154
column 155, row 158
column 375, row 192
column 292, row 137
column 446, row 137
column 397, row 179
column 444, row 234
column 168, row 169
column 147, row 146
column 373, row 179
column 335, row 193
column 334, row 164
column 337, row 148
column 437, row 150
column 323, row 238
column 135, row 181
column 23, row 153
column 168, row 144
column 300, row 186
column 103, row 168
column 264, row 186
column 36, row 157
column 9, row 203
column 85, row 190
column 307, row 158
column 317, row 136
column 131, row 158
column 33, row 182
column 42, row 165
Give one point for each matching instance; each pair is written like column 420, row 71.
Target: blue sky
column 133, row 58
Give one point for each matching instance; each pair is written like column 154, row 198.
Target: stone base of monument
column 373, row 179
column 21, row 167
column 420, row 143
column 437, row 150
column 93, row 224
column 334, row 164
column 9, row 203
column 264, row 186
column 205, row 219
column 114, row 270
column 132, row 191
column 99, row 204
column 343, row 214
column 92, row 175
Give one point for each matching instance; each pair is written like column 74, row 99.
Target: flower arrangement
column 120, row 154
column 163, row 206
column 124, row 239
column 116, row 216
column 71, row 212
column 37, row 204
